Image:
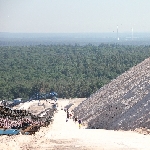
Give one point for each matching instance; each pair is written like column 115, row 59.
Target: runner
column 79, row 121
column 70, row 115
column 67, row 117
column 75, row 119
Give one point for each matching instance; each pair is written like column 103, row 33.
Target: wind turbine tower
column 132, row 33
column 117, row 34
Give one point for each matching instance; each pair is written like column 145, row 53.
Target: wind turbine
column 117, row 34
column 132, row 33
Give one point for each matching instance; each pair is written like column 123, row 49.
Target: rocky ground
column 62, row 135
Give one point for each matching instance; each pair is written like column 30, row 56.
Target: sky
column 74, row 16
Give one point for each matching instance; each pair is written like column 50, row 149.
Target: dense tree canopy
column 70, row 70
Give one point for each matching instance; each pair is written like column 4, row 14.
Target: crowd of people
column 70, row 115
column 7, row 123
column 18, row 119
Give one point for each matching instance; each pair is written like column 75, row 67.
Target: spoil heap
column 123, row 104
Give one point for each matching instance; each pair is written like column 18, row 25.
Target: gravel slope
column 123, row 104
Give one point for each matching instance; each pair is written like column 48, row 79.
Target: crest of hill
column 123, row 104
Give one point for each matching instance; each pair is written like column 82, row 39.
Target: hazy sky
column 74, row 16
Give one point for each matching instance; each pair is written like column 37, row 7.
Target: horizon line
column 68, row 32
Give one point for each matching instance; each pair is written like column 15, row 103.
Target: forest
column 70, row 70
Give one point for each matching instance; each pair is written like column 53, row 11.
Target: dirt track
column 62, row 135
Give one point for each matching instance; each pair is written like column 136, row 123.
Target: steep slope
column 124, row 103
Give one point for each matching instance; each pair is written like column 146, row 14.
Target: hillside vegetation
column 70, row 70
